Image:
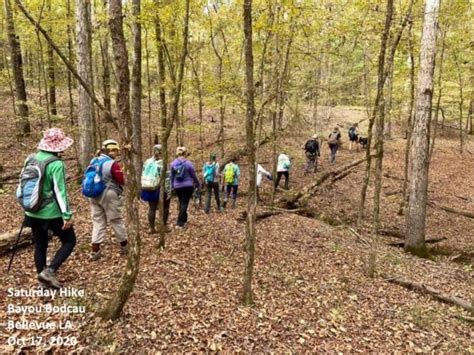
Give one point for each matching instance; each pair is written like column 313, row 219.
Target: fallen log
column 436, row 294
column 8, row 240
column 401, row 244
column 467, row 214
column 300, row 198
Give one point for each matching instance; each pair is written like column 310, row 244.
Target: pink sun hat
column 54, row 140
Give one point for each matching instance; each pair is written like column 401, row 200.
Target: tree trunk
column 388, row 104
column 70, row 57
column 470, row 116
column 137, row 88
column 51, row 74
column 461, row 103
column 164, row 124
column 419, row 163
column 148, row 87
column 440, row 92
column 409, row 127
column 167, row 125
column 379, row 145
column 247, row 297
column 376, row 108
column 115, row 306
column 87, row 139
column 17, row 70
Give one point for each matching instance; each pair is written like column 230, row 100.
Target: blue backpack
column 179, row 170
column 94, row 184
column 209, row 172
column 30, row 189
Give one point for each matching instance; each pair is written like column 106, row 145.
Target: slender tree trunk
column 315, row 102
column 51, row 74
column 376, row 108
column 247, row 297
column 10, row 81
column 115, row 306
column 284, row 79
column 409, row 127
column 198, row 85
column 419, row 162
column 164, row 124
column 388, row 104
column 148, row 87
column 42, row 74
column 470, row 116
column 137, row 88
column 17, row 70
column 87, row 135
column 461, row 104
column 167, row 125
column 71, row 59
column 440, row 94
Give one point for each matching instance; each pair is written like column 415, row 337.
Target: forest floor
column 311, row 291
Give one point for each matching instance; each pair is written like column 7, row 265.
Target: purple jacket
column 190, row 178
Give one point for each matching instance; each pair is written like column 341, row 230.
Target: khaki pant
column 107, row 208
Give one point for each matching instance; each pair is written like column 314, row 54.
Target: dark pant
column 231, row 190
column 184, row 195
column 333, row 148
column 40, row 229
column 212, row 186
column 153, row 207
column 286, row 174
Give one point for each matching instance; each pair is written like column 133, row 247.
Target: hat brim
column 57, row 147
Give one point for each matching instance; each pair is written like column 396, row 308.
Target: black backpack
column 312, row 146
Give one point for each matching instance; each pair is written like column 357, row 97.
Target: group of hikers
column 42, row 191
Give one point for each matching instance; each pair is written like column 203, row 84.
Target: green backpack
column 229, row 175
column 151, row 174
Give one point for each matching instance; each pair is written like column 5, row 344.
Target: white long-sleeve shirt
column 260, row 173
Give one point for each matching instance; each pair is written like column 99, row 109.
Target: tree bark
column 51, row 75
column 115, row 306
column 87, row 134
column 17, row 70
column 409, row 127
column 419, row 163
column 137, row 88
column 380, row 123
column 440, row 92
column 247, row 297
column 376, row 108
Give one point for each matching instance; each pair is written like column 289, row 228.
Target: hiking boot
column 96, row 255
column 43, row 286
column 153, row 231
column 224, row 204
column 48, row 276
column 124, row 250
column 234, row 202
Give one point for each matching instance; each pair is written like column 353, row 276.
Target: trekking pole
column 16, row 246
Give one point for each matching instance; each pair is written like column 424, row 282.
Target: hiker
column 150, row 182
column 334, row 141
column 103, row 185
column 283, row 169
column 312, row 153
column 353, row 134
column 183, row 182
column 231, row 181
column 42, row 192
column 261, row 172
column 211, row 177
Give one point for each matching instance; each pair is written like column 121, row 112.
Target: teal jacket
column 54, row 185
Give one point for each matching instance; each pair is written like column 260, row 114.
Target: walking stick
column 16, row 246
